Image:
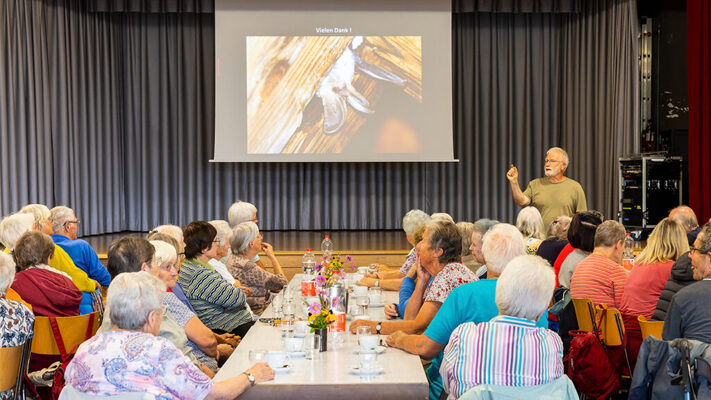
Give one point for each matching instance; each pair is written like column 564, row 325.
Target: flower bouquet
column 331, row 271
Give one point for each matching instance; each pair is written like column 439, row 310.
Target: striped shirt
column 505, row 351
column 599, row 279
column 218, row 304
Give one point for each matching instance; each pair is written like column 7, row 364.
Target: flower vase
column 323, row 346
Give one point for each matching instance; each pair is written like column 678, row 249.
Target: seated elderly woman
column 50, row 292
column 131, row 358
column 530, row 223
column 509, row 350
column 557, row 238
column 223, row 238
column 466, row 229
column 581, row 242
column 397, row 310
column 391, row 279
column 246, row 243
column 438, row 256
column 16, row 320
column 219, row 305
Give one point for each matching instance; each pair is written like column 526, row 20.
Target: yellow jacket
column 62, row 262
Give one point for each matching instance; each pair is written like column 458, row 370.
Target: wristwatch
column 250, row 378
column 377, row 283
column 378, row 328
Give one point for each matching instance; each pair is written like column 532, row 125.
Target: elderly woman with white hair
column 390, row 279
column 131, row 358
column 16, row 320
column 173, row 231
column 509, row 350
column 246, row 242
column 224, row 235
column 530, row 224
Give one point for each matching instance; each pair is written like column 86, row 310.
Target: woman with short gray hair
column 246, row 242
column 530, row 224
column 149, row 364
column 389, row 278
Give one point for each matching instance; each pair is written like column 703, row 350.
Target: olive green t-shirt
column 556, row 199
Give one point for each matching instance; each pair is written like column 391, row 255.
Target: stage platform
column 387, row 247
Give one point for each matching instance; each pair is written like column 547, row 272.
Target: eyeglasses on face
column 698, row 250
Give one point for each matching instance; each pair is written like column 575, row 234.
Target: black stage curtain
column 112, row 114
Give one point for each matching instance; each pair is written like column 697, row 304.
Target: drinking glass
column 277, row 303
column 257, row 355
column 312, row 346
column 362, row 302
column 287, row 328
column 367, row 359
column 375, row 294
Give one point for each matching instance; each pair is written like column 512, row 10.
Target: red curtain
column 698, row 25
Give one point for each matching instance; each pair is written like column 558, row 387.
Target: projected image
column 326, row 94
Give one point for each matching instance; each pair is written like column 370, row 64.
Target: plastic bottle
column 327, row 247
column 629, row 247
column 308, row 261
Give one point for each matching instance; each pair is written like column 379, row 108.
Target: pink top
column 644, row 285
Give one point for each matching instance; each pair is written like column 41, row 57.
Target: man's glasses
column 698, row 250
column 76, row 221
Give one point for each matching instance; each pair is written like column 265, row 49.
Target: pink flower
column 335, row 302
column 314, row 308
column 349, row 258
column 320, row 280
column 318, row 267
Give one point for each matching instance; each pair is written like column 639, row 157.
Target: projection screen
column 333, row 81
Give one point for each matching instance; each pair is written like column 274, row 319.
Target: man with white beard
column 554, row 194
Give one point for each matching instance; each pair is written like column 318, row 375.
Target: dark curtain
column 112, row 114
column 698, row 26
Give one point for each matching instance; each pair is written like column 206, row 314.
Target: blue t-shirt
column 84, row 257
column 471, row 302
column 406, row 289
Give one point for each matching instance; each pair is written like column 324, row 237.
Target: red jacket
column 50, row 293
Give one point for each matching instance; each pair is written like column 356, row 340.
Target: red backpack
column 58, row 381
column 588, row 365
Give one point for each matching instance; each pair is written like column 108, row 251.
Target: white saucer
column 357, row 371
column 357, row 317
column 297, row 354
column 283, row 370
column 378, row 349
column 299, row 334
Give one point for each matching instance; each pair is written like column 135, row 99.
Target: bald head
column 685, row 216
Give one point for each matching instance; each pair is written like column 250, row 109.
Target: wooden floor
column 289, row 242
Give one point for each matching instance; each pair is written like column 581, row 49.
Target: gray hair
column 173, row 230
column 14, row 226
column 466, row 229
column 609, row 233
column 413, row 220
column 39, row 211
column 132, row 296
column 242, row 234
column 562, row 152
column 239, row 212
column 7, row 272
column 441, row 216
column 59, row 216
column 164, row 251
column 685, row 216
column 559, row 227
column 445, row 235
column 501, row 244
column 525, row 288
column 530, row 223
column 705, row 237
column 483, row 225
column 224, row 232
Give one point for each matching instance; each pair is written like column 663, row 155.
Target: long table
column 330, row 377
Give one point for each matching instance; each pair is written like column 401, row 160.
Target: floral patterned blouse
column 409, row 261
column 117, row 362
column 16, row 326
column 250, row 275
column 452, row 276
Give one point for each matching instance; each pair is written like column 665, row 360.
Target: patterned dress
column 409, row 262
column 117, row 362
column 452, row 276
column 16, row 326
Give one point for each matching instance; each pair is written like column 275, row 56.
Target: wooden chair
column 73, row 331
column 14, row 366
column 585, row 314
column 650, row 328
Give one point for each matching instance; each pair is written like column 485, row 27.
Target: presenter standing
column 554, row 194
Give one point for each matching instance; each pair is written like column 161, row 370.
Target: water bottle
column 327, row 247
column 308, row 262
column 629, row 247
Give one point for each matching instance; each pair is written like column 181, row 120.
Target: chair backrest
column 613, row 329
column 650, row 328
column 73, row 331
column 584, row 310
column 14, row 364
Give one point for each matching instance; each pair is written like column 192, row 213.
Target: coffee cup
column 293, row 344
column 276, row 359
column 375, row 295
column 368, row 342
column 363, row 270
